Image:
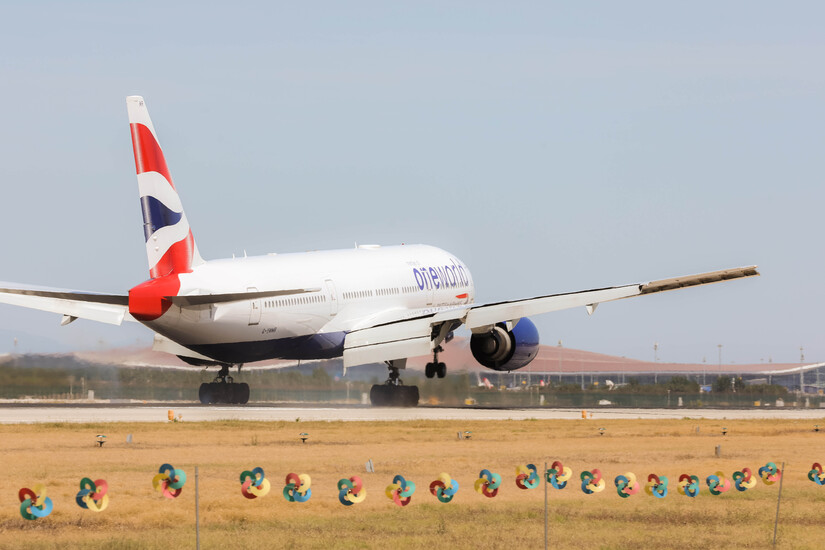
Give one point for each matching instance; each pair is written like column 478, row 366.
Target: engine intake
column 504, row 350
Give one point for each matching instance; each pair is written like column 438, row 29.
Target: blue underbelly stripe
column 313, row 346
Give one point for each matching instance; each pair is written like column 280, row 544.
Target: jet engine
column 504, row 350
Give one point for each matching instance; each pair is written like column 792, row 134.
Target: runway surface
column 17, row 413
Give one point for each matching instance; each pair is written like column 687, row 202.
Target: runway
column 21, row 413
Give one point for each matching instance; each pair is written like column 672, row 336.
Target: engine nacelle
column 505, row 351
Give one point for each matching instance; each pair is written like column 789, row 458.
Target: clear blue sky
column 552, row 147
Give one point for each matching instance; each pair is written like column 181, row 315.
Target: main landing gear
column 435, row 368
column 393, row 392
column 224, row 389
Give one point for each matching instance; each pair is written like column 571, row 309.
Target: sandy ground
column 214, row 454
column 10, row 414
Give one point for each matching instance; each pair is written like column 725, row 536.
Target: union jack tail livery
column 170, row 246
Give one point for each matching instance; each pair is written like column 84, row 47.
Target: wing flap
column 161, row 343
column 408, row 337
column 387, row 351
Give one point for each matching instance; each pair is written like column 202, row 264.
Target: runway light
column 101, row 439
column 724, row 431
column 304, row 436
column 601, row 431
column 816, row 428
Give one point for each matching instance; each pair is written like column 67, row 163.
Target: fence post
column 778, row 500
column 197, row 513
column 544, row 475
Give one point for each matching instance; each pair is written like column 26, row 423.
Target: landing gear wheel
column 242, row 393
column 429, row 370
column 224, row 390
column 389, row 395
column 393, row 392
column 441, row 370
column 380, row 395
column 205, row 394
column 410, row 396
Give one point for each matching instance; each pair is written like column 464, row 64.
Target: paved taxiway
column 32, row 413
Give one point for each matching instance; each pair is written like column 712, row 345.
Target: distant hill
column 457, row 356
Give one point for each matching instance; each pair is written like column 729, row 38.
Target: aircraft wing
column 72, row 304
column 420, row 335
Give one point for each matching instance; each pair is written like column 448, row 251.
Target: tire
column 386, row 395
column 410, row 396
column 379, row 395
column 441, row 370
column 429, row 370
column 231, row 393
column 205, row 394
column 242, row 393
column 220, row 392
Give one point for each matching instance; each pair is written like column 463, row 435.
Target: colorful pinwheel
column 444, row 488
column 527, row 476
column 254, row 483
column 744, row 480
column 656, row 486
column 592, row 481
column 558, row 474
column 688, row 485
column 816, row 474
column 297, row 488
column 400, row 491
column 351, row 491
column 487, row 483
column 769, row 473
column 169, row 481
column 93, row 494
column 34, row 504
column 717, row 484
column 626, row 484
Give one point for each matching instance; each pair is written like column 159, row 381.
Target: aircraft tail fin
column 170, row 246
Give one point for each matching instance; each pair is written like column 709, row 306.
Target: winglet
column 700, row 279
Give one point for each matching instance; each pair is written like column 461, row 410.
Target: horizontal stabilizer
column 105, row 308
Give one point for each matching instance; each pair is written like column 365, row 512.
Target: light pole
column 560, row 353
column 656, row 360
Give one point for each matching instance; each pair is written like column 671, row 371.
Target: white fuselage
column 350, row 289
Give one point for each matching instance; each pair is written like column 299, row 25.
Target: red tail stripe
column 178, row 259
column 148, row 155
column 147, row 301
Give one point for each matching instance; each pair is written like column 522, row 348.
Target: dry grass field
column 138, row 517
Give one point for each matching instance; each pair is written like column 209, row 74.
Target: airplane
column 368, row 304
